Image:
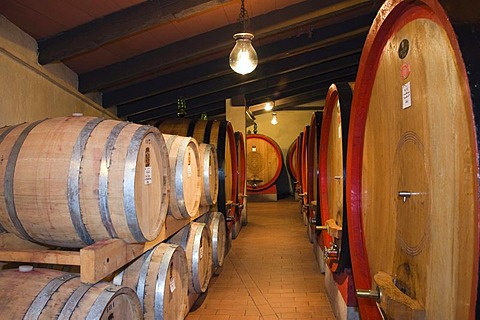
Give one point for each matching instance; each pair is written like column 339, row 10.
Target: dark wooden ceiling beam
column 304, row 97
column 117, row 25
column 347, row 64
column 169, row 112
column 317, row 38
column 294, row 88
column 273, row 69
column 322, row 73
column 214, row 44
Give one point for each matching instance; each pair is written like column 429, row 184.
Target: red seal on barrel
column 405, row 71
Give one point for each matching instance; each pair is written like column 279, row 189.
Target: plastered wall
column 290, row 124
column 29, row 91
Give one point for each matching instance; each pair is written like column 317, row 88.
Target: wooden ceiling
column 144, row 55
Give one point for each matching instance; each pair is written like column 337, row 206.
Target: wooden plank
column 41, row 256
column 116, row 25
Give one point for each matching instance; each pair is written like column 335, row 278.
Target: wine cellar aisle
column 270, row 271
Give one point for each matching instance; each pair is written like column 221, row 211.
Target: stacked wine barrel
column 72, row 182
column 53, row 294
column 222, row 187
column 220, row 134
column 398, row 170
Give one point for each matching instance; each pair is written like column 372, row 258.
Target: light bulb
column 243, row 58
column 274, row 119
column 268, row 106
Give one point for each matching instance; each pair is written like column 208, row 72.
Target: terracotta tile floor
column 270, row 271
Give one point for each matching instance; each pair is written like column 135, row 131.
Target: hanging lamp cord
column 243, row 18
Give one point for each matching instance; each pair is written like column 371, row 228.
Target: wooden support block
column 102, row 258
column 394, row 302
column 333, row 229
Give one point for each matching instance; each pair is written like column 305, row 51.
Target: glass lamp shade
column 268, row 106
column 243, row 58
column 274, row 120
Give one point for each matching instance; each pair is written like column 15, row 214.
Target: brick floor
column 270, row 271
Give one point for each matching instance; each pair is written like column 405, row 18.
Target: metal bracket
column 370, row 294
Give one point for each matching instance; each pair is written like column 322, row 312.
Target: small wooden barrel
column 264, row 162
column 313, row 155
column 412, row 168
column 160, row 278
column 333, row 160
column 216, row 224
column 195, row 239
column 72, row 181
column 185, row 176
column 304, row 174
column 53, row 294
column 221, row 135
column 208, row 174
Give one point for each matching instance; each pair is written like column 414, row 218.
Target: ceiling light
column 274, row 120
column 243, row 58
column 269, row 105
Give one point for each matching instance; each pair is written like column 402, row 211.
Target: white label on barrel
column 148, row 175
column 406, row 96
column 189, row 171
column 172, row 284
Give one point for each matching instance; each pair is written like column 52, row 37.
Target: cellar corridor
column 270, row 271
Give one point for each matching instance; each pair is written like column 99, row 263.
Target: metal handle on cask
column 407, row 194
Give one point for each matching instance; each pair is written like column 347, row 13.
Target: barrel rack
column 96, row 261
